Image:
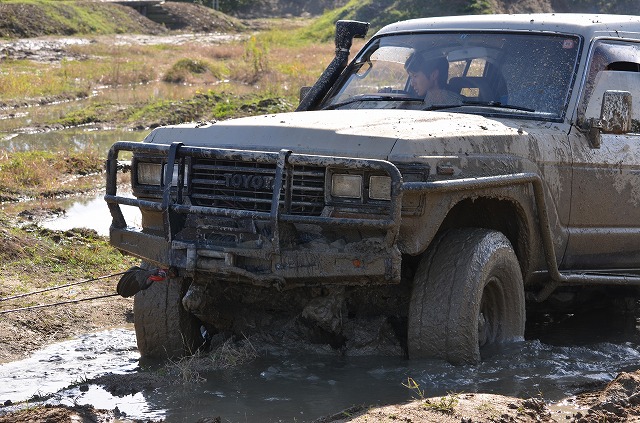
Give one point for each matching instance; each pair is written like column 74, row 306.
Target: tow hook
column 137, row 279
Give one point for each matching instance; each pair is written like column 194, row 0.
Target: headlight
column 343, row 185
column 380, row 188
column 150, row 173
column 153, row 174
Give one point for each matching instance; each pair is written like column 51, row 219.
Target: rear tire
column 467, row 294
column 164, row 329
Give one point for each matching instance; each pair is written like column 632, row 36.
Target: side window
column 613, row 65
column 539, row 72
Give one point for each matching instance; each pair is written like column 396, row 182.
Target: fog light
column 343, row 185
column 380, row 188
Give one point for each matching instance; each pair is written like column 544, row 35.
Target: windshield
column 489, row 73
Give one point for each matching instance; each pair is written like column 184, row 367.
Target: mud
column 618, row 401
column 42, row 49
column 55, row 49
column 49, row 413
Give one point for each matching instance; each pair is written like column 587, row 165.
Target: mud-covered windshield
column 522, row 74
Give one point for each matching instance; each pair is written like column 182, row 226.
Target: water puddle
column 86, row 211
column 301, row 388
column 33, row 127
column 77, row 139
column 90, row 213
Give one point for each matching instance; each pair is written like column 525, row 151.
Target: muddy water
column 77, row 139
column 32, row 127
column 89, row 212
column 558, row 360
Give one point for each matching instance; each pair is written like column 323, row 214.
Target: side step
column 610, row 277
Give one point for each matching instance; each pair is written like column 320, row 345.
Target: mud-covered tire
column 467, row 293
column 164, row 329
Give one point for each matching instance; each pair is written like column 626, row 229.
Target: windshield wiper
column 372, row 98
column 442, row 106
column 497, row 104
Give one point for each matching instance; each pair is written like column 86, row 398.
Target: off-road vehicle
column 434, row 223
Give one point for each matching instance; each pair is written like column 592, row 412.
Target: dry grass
column 232, row 354
column 229, row 354
column 256, row 64
column 44, row 174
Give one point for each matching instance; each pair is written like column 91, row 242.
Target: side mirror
column 615, row 116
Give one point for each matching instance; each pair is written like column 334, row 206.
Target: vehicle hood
column 347, row 133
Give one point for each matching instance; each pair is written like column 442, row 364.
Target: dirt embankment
column 27, row 20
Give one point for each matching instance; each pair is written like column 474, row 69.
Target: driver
column 428, row 78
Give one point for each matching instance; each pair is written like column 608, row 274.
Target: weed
column 224, row 109
column 81, row 380
column 256, row 54
column 229, row 354
column 412, row 385
column 78, row 254
column 488, row 408
column 183, row 69
column 444, row 405
column 479, row 7
column 65, row 18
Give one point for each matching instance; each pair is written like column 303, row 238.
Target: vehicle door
column 605, row 203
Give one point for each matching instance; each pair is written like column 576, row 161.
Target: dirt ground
column 24, row 332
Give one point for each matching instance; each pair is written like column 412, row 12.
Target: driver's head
column 427, row 74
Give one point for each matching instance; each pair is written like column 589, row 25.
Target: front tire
column 164, row 329
column 467, row 294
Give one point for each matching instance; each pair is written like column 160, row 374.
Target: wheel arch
column 500, row 214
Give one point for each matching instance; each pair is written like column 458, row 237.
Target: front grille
column 240, row 185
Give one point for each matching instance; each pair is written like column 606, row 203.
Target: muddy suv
column 375, row 220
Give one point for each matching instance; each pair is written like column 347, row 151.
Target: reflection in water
column 76, row 139
column 302, row 387
column 91, row 213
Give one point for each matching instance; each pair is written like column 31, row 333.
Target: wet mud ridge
column 41, row 50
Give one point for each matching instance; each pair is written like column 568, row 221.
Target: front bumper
column 271, row 259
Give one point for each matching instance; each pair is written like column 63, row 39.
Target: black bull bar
column 171, row 204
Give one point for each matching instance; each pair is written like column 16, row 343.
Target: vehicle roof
column 588, row 25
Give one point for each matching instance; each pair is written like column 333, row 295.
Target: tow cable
column 135, row 279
